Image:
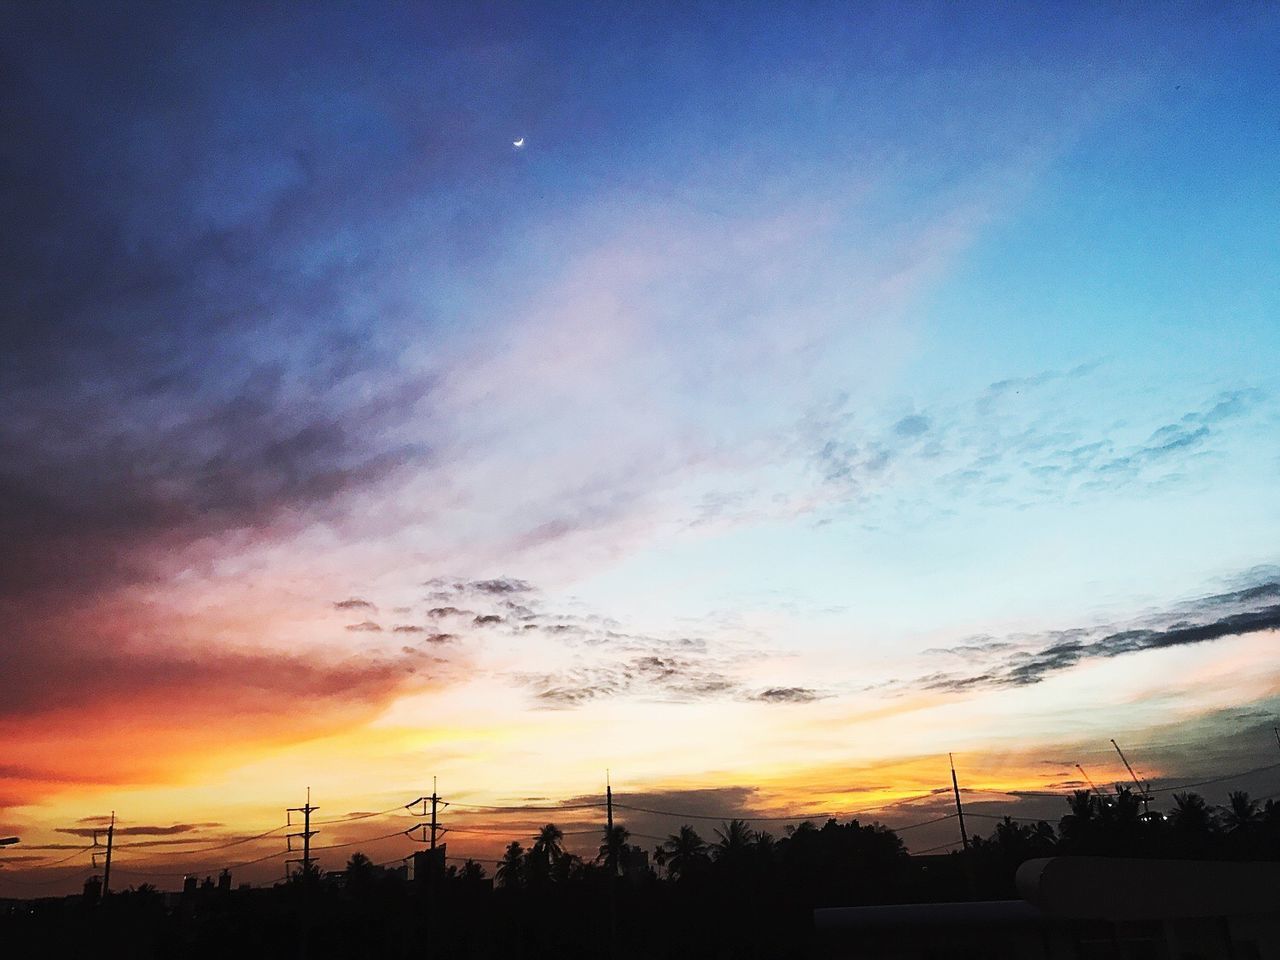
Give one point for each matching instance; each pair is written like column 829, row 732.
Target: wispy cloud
column 1023, row 659
column 1018, row 442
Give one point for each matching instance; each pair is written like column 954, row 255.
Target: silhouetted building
column 1080, row 907
column 93, row 890
column 429, row 864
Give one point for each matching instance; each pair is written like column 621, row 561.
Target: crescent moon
column 518, row 143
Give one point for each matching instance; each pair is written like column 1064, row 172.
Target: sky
column 812, row 394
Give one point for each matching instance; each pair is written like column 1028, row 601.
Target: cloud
column 1023, row 659
column 139, row 831
column 365, row 626
column 1019, row 442
column 787, row 695
column 912, row 426
column 441, row 612
column 486, row 620
column 666, row 678
column 353, row 604
column 500, row 587
column 165, row 703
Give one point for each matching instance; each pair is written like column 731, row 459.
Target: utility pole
column 435, row 820
column 1277, row 730
column 955, row 786
column 612, row 859
column 969, row 881
column 106, row 871
column 307, row 833
column 434, row 826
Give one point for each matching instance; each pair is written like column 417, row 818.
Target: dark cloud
column 441, row 612
column 505, row 585
column 487, row 620
column 365, row 626
column 140, row 831
column 71, row 675
column 439, row 638
column 787, row 695
column 666, row 678
column 408, row 628
column 355, row 603
column 1027, row 660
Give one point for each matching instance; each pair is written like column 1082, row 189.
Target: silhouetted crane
column 1144, row 793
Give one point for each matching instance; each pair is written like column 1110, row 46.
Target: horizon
column 758, row 405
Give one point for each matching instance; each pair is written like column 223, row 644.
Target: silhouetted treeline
column 735, row 892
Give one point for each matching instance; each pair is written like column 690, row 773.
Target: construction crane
column 1143, row 791
column 1093, row 786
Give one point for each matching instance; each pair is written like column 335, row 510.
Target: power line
column 941, row 846
column 72, row 856
column 362, row 816
column 217, row 846
column 564, row 806
column 187, row 873
column 1211, row 780
column 353, row 843
column 1003, row 816
column 924, row 823
column 819, row 815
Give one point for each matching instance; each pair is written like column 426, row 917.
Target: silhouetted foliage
column 746, row 894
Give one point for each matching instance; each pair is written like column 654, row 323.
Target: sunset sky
column 813, row 394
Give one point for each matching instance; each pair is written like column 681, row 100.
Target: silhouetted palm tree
column 681, row 852
column 472, row 871
column 549, row 845
column 1191, row 815
column 735, row 841
column 511, row 872
column 359, row 868
column 1242, row 814
column 613, row 847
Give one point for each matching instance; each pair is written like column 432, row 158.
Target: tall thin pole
column 307, row 833
column 955, row 786
column 106, row 873
column 435, row 822
column 965, row 863
column 611, row 849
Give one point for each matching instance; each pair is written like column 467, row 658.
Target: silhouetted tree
column 544, row 859
column 682, row 853
column 613, row 848
column 1242, row 814
column 360, row 870
column 511, row 868
column 734, row 843
column 472, row 872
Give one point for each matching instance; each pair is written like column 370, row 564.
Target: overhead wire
column 216, row 846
